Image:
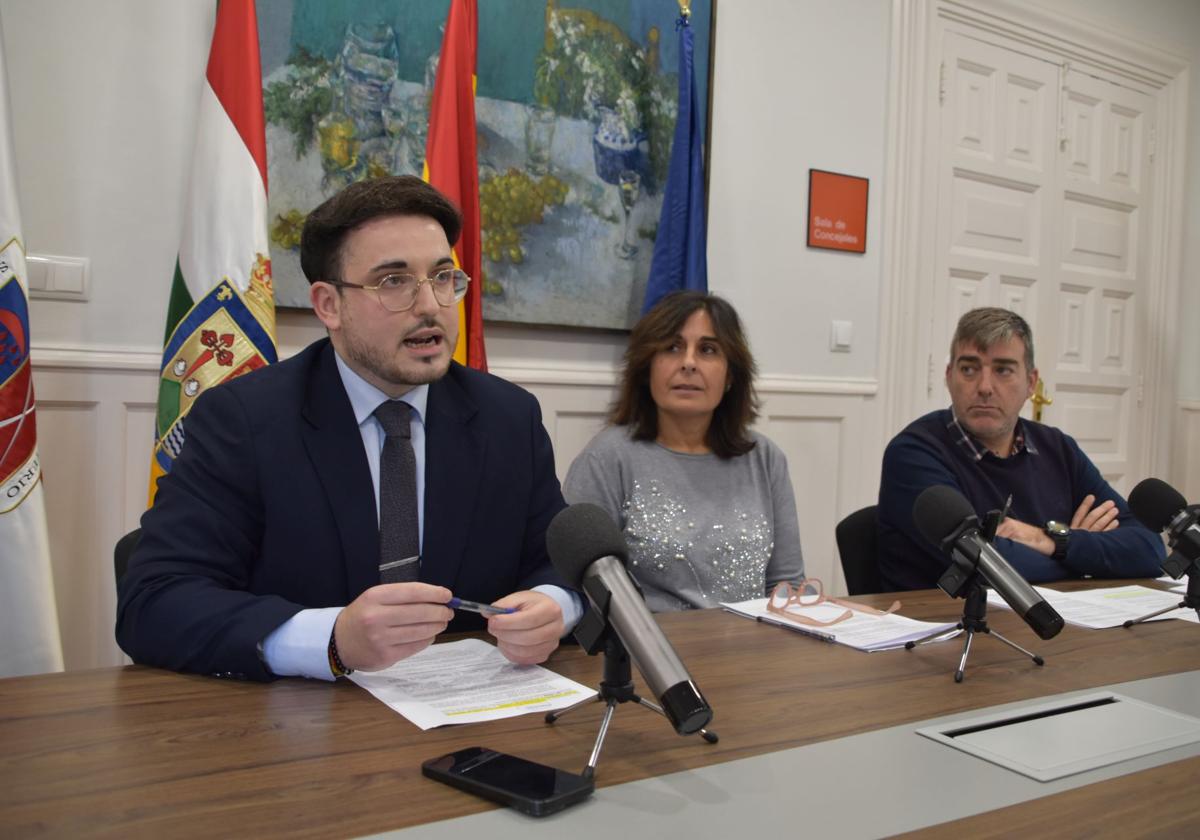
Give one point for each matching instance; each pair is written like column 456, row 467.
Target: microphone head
column 579, row 536
column 1044, row 620
column 1155, row 503
column 938, row 512
column 686, row 708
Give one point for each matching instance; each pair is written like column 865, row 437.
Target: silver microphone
column 947, row 520
column 588, row 550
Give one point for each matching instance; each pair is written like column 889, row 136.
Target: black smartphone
column 531, row 788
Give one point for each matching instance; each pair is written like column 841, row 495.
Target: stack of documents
column 465, row 682
column 1111, row 607
column 862, row 631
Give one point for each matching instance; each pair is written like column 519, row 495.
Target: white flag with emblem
column 29, row 638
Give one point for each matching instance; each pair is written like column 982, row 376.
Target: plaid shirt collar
column 976, row 448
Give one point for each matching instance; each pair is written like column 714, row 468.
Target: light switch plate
column 841, row 334
column 57, row 277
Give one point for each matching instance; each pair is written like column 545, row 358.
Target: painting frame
column 552, row 257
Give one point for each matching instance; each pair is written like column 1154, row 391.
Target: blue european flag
column 680, row 260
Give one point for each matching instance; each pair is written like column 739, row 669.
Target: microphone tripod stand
column 963, row 576
column 616, row 686
column 974, row 620
column 1184, row 538
column 1191, row 598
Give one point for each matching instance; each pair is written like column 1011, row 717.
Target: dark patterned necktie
column 399, row 535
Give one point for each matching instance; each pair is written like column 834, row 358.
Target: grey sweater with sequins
column 701, row 529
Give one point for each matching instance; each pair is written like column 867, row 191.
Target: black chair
column 858, row 545
column 123, row 550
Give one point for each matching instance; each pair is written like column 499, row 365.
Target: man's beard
column 381, row 362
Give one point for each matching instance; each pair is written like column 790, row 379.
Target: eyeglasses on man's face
column 398, row 292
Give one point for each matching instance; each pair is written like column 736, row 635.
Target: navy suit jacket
column 269, row 509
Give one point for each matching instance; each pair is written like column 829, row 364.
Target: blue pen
column 476, row 607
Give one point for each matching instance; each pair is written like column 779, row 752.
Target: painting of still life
column 575, row 110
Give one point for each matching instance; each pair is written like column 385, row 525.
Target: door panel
column 1090, row 363
column 1045, row 216
column 995, row 187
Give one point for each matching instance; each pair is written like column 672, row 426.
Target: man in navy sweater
column 1065, row 521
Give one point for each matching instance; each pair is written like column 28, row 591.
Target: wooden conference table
column 143, row 752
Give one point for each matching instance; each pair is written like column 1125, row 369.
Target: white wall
column 104, row 97
column 797, row 85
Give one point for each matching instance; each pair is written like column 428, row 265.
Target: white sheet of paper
column 1109, row 607
column 465, row 682
column 1175, row 585
column 863, row 630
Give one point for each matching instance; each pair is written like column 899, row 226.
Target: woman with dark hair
column 706, row 504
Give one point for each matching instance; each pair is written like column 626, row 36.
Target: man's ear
column 1033, row 381
column 326, row 302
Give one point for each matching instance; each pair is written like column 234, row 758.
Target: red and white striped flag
column 29, row 639
column 221, row 316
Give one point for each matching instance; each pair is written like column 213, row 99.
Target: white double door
column 1043, row 176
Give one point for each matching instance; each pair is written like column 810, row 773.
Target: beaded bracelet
column 335, row 661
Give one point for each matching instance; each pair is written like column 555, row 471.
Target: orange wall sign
column 837, row 211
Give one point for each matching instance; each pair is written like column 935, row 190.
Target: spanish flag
column 452, row 167
column 221, row 315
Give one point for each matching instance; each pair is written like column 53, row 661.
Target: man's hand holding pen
column 390, row 622
column 393, row 621
column 529, row 635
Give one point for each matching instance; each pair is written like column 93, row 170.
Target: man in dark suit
column 262, row 555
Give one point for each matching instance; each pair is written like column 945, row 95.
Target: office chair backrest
column 858, row 546
column 123, row 550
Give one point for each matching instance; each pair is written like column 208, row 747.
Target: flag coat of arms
column 221, row 315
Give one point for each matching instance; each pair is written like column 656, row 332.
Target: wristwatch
column 1061, row 534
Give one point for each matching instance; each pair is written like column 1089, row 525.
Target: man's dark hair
column 327, row 226
column 728, row 433
column 990, row 325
